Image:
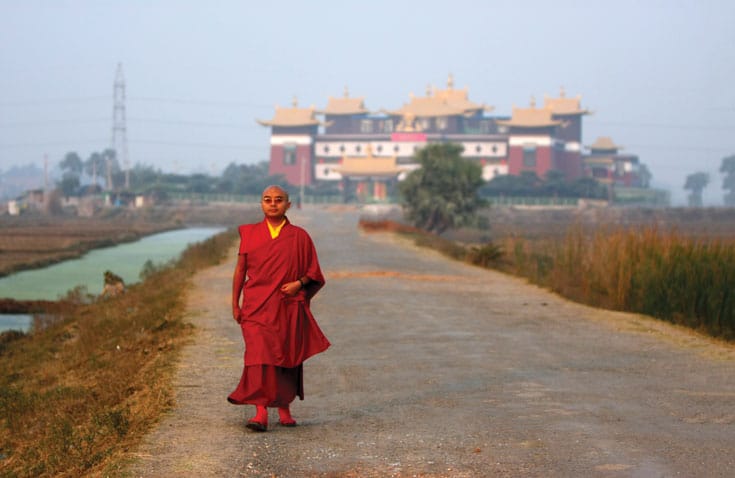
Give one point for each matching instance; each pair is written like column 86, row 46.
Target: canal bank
column 86, row 273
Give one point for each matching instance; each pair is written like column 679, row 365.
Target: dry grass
column 77, row 395
column 687, row 279
column 682, row 279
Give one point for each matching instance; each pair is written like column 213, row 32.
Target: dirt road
column 442, row 369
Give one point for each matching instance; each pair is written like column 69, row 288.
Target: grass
column 80, row 392
column 684, row 280
column 687, row 280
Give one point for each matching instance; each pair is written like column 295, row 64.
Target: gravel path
column 442, row 369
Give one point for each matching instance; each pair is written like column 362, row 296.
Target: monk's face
column 275, row 204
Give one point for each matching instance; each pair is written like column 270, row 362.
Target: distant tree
column 555, row 184
column 72, row 168
column 528, row 184
column 588, row 188
column 69, row 184
column 505, row 185
column 247, row 179
column 72, row 164
column 728, row 183
column 141, row 177
column 200, row 183
column 96, row 166
column 443, row 192
column 696, row 183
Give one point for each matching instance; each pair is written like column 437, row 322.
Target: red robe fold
column 278, row 330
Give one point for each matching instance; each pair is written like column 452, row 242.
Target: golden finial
column 450, row 82
column 533, row 101
column 295, row 102
column 428, row 89
column 562, row 93
column 347, row 92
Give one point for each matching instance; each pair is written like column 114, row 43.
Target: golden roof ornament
column 532, row 103
column 450, row 82
column 562, row 93
column 295, row 102
column 347, row 92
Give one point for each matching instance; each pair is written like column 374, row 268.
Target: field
column 674, row 264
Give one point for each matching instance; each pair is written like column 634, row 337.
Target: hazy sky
column 658, row 75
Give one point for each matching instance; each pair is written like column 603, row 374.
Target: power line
column 200, row 101
column 105, row 120
column 53, row 121
column 627, row 124
column 187, row 123
column 27, row 102
column 54, row 143
column 200, row 145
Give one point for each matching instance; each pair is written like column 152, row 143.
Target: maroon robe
column 280, row 332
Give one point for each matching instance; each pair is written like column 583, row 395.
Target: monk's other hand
column 236, row 314
column 291, row 288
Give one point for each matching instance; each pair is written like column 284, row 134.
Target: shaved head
column 276, row 189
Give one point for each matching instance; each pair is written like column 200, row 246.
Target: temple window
column 441, row 123
column 358, row 148
column 529, row 155
column 388, row 126
column 342, row 148
column 326, row 149
column 425, row 124
column 366, row 126
column 478, row 148
column 494, row 149
column 289, row 154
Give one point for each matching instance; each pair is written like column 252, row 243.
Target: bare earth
column 442, row 369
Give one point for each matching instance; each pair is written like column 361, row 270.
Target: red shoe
column 259, row 423
column 285, row 418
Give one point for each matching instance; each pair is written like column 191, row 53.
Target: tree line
column 101, row 171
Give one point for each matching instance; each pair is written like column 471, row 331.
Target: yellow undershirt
column 275, row 230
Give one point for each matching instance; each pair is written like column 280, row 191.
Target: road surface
column 440, row 369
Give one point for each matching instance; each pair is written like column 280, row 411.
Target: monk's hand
column 236, row 314
column 291, row 288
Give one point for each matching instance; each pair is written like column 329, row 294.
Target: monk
column 276, row 275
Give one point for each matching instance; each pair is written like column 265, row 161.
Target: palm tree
column 696, row 183
column 728, row 183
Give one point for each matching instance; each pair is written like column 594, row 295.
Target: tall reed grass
column 684, row 280
column 77, row 394
column 659, row 273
